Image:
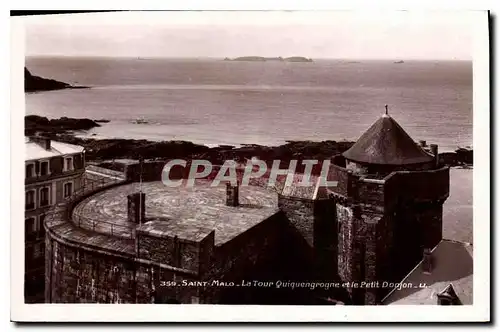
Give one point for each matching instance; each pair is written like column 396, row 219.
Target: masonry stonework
column 372, row 227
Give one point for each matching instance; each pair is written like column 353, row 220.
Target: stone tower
column 388, row 208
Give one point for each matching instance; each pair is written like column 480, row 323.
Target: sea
column 214, row 102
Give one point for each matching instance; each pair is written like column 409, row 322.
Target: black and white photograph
column 285, row 159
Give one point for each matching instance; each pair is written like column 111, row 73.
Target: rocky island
column 34, row 83
column 34, row 124
column 101, row 150
column 262, row 59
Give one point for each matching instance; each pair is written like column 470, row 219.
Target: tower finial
column 386, row 109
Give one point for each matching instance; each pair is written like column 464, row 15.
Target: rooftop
column 387, row 143
column 185, row 212
column 35, row 151
column 452, row 264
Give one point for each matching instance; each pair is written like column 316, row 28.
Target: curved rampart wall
column 86, row 266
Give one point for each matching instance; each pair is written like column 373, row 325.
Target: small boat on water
column 140, row 121
column 400, row 61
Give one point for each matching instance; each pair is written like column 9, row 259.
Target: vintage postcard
column 250, row 166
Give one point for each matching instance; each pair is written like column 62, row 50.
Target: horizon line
column 223, row 57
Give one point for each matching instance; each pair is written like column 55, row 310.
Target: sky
column 340, row 35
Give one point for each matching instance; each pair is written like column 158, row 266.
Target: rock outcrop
column 34, row 83
column 108, row 149
column 38, row 124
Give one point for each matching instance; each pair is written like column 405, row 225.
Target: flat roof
column 452, row 264
column 35, row 151
column 187, row 212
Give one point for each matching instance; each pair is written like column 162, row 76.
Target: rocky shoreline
column 34, row 83
column 100, row 150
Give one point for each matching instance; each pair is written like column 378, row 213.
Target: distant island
column 400, row 61
column 261, row 58
column 34, row 83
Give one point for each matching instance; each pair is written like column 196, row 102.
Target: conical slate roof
column 386, row 143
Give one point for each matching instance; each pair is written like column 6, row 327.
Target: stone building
column 133, row 242
column 389, row 206
column 53, row 171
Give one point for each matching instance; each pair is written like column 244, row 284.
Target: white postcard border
column 479, row 311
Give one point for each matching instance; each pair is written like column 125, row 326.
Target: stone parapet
column 426, row 185
column 173, row 245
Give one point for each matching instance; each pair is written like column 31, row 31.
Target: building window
column 68, row 164
column 44, row 168
column 29, row 225
column 30, row 199
column 41, row 218
column 44, row 196
column 30, row 170
column 41, row 229
column 68, row 189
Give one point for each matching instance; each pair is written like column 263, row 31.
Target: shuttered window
column 44, row 196
column 44, row 168
column 30, row 170
column 30, row 199
column 68, row 164
column 68, row 189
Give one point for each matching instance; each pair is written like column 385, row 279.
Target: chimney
column 136, row 207
column 422, row 143
column 44, row 142
column 232, row 194
column 434, row 151
column 427, row 261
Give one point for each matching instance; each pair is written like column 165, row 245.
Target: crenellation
column 372, row 227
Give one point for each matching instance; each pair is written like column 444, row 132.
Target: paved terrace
column 182, row 211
